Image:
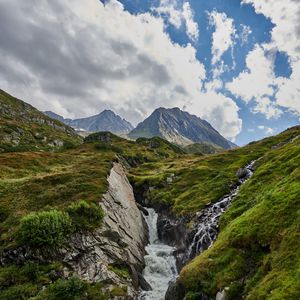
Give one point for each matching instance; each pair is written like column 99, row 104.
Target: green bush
column 70, row 289
column 85, row 216
column 44, row 229
column 19, row 292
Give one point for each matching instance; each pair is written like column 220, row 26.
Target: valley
column 74, row 215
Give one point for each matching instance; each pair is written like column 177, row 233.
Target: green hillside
column 257, row 254
column 42, row 191
column 24, row 128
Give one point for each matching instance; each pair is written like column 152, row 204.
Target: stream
column 207, row 227
column 160, row 263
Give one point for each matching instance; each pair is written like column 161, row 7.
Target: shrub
column 85, row 216
column 44, row 229
column 67, row 289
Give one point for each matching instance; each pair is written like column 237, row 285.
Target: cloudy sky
column 234, row 63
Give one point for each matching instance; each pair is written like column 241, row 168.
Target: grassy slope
column 35, row 181
column 258, row 251
column 200, row 180
column 254, row 259
column 202, row 148
column 24, row 128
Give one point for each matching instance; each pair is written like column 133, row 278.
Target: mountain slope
column 179, row 127
column 105, row 121
column 22, row 127
column 256, row 255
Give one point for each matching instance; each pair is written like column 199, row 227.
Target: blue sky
column 255, row 125
column 233, row 63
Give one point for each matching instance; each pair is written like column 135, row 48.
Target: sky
column 235, row 63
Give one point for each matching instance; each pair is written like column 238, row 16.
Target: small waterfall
column 206, row 230
column 160, row 263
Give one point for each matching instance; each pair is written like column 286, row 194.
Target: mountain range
column 174, row 125
column 107, row 120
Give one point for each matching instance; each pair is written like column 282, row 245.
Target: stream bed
column 160, row 264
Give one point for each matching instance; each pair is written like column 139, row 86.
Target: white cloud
column 256, row 82
column 267, row 130
column 246, row 32
column 179, row 14
column 79, row 58
column 266, row 107
column 191, row 26
column 172, row 10
column 285, row 15
column 223, row 36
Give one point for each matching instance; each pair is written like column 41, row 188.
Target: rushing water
column 160, row 263
column 208, row 219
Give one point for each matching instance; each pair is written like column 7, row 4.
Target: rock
column 120, row 240
column 142, row 209
column 145, row 286
column 173, row 231
column 242, row 173
column 221, row 295
column 176, row 291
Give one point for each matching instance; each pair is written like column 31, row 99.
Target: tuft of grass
column 85, row 216
column 44, row 229
column 120, row 271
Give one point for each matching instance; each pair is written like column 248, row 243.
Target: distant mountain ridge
column 107, row 120
column 179, row 127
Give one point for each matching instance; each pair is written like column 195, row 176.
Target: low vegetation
column 85, row 216
column 24, row 128
column 198, row 181
column 257, row 253
column 47, row 195
column 44, row 229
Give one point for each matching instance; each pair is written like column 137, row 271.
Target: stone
column 242, row 173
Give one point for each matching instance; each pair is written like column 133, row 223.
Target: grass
column 199, row 181
column 34, row 181
column 257, row 252
column 24, row 128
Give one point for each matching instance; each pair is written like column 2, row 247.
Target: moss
column 24, row 128
column 118, row 291
column 23, row 282
column 120, row 271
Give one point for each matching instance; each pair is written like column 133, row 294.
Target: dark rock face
column 176, row 291
column 179, row 127
column 173, row 231
column 105, row 121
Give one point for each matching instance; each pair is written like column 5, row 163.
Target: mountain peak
column 106, row 120
column 179, row 127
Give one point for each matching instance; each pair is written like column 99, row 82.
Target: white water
column 208, row 219
column 160, row 263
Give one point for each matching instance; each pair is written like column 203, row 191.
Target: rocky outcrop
column 174, row 232
column 118, row 244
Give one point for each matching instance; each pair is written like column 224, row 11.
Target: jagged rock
column 145, row 286
column 121, row 239
column 176, row 291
